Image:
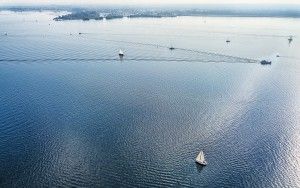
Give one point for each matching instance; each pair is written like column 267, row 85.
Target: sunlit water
column 73, row 114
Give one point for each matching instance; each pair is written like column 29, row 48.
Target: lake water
column 73, row 115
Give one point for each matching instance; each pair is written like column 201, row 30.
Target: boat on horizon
column 290, row 39
column 265, row 62
column 121, row 53
column 200, row 159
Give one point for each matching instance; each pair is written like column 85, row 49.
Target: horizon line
column 157, row 4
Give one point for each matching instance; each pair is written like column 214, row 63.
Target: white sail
column 200, row 158
column 121, row 52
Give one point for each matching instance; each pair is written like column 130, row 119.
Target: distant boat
column 290, row 39
column 5, row 34
column 121, row 53
column 171, row 48
column 80, row 33
column 265, row 62
column 227, row 41
column 200, row 159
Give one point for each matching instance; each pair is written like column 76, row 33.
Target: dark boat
column 171, row 48
column 227, row 41
column 264, row 62
column 290, row 39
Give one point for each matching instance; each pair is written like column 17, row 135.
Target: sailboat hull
column 201, row 163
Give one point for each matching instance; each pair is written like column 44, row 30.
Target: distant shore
column 100, row 13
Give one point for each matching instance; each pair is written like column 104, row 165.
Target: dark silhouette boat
column 290, row 39
column 265, row 62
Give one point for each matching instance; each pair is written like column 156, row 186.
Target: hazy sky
column 147, row 1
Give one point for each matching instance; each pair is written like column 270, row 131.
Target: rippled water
column 73, row 114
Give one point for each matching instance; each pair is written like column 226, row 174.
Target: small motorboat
column 171, row 48
column 265, row 62
column 228, row 41
column 200, row 159
column 121, row 53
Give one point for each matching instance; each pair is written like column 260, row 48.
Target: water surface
column 73, row 114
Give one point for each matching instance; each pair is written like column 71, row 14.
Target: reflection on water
column 74, row 114
column 199, row 168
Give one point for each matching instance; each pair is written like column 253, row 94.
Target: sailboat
column 171, row 47
column 290, row 39
column 200, row 159
column 121, row 53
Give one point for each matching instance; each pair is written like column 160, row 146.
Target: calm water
column 72, row 114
